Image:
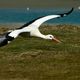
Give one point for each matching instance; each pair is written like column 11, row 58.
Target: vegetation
column 30, row 58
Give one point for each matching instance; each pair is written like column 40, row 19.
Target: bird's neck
column 38, row 34
column 42, row 36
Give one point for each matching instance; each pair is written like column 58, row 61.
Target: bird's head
column 51, row 37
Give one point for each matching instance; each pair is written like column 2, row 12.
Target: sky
column 38, row 3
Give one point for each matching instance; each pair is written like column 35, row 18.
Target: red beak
column 56, row 40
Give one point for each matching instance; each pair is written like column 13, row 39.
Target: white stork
column 33, row 28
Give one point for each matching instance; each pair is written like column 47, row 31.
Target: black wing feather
column 26, row 24
column 4, row 38
column 61, row 15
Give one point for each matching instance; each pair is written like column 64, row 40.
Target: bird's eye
column 50, row 36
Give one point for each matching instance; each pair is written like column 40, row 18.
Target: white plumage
column 33, row 27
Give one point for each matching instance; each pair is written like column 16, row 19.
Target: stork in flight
column 33, row 28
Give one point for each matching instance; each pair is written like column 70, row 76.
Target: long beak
column 56, row 40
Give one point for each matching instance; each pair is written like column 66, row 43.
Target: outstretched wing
column 37, row 22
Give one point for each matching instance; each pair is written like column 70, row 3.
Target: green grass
column 30, row 58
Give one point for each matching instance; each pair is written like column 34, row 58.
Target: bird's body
column 33, row 27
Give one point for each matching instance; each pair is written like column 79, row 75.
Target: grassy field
column 30, row 58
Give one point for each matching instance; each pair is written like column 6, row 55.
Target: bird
column 33, row 28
